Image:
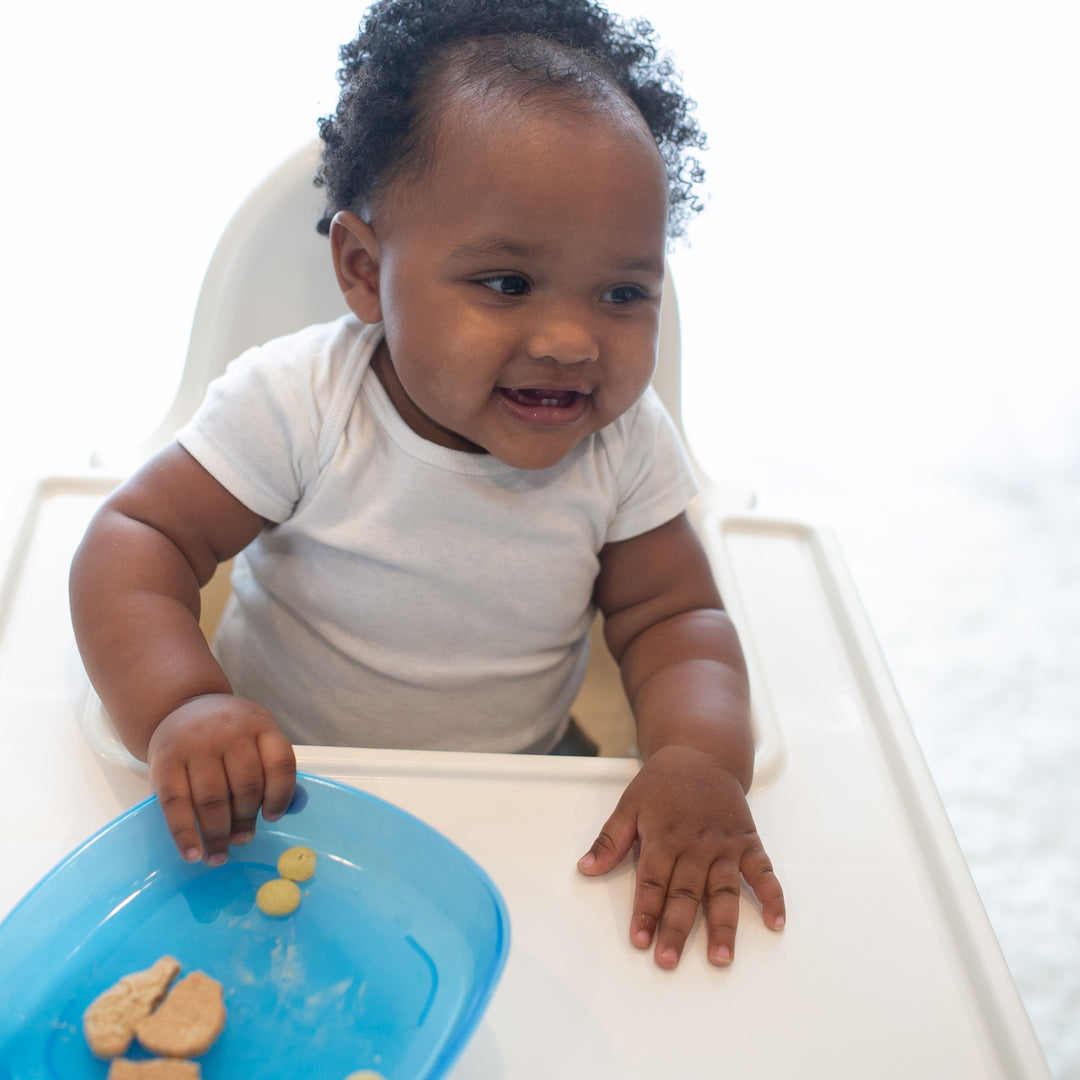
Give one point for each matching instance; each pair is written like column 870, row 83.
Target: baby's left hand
column 696, row 837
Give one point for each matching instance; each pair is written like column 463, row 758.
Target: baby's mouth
column 536, row 397
column 544, row 406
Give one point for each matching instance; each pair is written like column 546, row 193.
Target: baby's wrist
column 716, row 758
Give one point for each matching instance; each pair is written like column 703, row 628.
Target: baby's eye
column 624, row 294
column 507, row 284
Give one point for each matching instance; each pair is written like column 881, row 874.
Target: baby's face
column 520, row 280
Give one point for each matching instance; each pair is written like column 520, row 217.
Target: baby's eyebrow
column 646, row 265
column 494, row 245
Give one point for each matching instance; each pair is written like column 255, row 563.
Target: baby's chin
column 535, row 458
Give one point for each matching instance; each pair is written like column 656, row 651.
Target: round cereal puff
column 278, row 897
column 297, row 864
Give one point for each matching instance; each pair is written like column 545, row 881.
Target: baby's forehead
column 493, row 116
column 481, row 139
column 518, row 170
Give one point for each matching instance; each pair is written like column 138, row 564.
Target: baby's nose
column 565, row 335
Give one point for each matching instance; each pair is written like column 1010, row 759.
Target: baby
column 429, row 499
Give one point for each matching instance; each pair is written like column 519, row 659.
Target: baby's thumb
column 611, row 845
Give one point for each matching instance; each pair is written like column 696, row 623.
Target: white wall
column 891, row 259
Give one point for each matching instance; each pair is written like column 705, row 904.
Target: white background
column 879, row 315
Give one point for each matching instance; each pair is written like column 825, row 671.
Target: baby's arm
column 686, row 680
column 214, row 758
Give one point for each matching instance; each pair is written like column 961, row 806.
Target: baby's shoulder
column 284, row 402
column 313, row 373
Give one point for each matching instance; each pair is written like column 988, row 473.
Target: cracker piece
column 154, row 1069
column 188, row 1021
column 297, row 864
column 110, row 1019
column 278, row 897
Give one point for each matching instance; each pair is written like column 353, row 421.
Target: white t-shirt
column 405, row 594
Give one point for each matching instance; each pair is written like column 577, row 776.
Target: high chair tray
column 888, row 967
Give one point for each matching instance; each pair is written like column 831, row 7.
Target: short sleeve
column 264, row 425
column 655, row 476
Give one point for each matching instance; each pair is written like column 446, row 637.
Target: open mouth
column 544, row 407
column 541, row 398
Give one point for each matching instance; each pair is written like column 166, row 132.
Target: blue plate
column 387, row 964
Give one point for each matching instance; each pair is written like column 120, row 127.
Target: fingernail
column 721, row 955
column 778, row 922
column 669, row 957
column 217, row 860
column 192, row 854
column 641, row 938
column 241, row 838
column 586, row 861
column 271, row 818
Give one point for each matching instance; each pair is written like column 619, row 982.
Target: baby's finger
column 611, row 845
column 721, row 912
column 758, row 871
column 681, row 906
column 244, row 775
column 213, row 810
column 174, row 796
column 650, row 895
column 279, row 773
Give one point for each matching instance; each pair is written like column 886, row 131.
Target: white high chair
column 888, row 968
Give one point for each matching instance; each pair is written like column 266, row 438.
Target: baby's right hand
column 213, row 763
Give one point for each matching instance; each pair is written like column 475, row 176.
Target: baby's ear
column 356, row 263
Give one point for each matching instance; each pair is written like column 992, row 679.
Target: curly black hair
column 382, row 124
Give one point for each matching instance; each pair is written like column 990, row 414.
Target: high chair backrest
column 271, row 274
